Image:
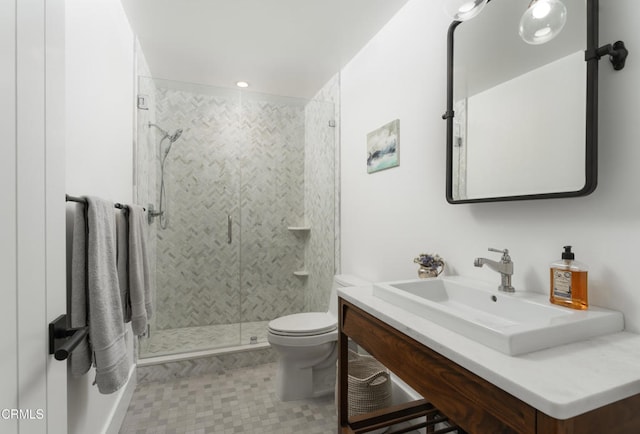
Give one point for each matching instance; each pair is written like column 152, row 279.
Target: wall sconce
column 541, row 22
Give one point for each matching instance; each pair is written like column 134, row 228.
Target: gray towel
column 123, row 263
column 106, row 328
column 80, row 359
column 139, row 279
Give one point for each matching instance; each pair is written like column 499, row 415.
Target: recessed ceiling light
column 242, row 84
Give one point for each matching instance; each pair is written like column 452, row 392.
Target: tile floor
column 239, row 401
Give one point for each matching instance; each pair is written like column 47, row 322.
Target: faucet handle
column 505, row 253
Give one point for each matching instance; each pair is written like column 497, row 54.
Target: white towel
column 80, row 359
column 106, row 327
column 139, row 279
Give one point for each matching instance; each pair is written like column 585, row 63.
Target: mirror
column 521, row 119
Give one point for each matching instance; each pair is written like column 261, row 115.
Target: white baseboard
column 120, row 410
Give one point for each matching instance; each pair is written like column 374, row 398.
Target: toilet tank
column 343, row 281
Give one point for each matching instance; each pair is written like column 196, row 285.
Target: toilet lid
column 303, row 324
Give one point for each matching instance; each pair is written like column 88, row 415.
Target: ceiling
column 281, row 47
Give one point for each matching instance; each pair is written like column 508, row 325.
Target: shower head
column 172, row 137
column 175, row 135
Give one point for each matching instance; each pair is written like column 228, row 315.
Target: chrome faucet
column 504, row 267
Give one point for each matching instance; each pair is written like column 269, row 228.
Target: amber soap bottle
column 569, row 286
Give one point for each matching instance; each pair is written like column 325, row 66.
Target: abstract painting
column 383, row 147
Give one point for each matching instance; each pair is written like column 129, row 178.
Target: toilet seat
column 303, row 324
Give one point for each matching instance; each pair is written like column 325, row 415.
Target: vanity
column 588, row 386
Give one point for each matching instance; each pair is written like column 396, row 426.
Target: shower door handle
column 229, row 229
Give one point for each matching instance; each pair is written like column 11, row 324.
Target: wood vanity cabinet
column 474, row 404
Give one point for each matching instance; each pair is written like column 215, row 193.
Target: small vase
column 425, row 272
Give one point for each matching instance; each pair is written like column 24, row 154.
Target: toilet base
column 308, row 378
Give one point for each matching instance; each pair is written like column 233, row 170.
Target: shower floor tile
column 238, row 401
column 175, row 341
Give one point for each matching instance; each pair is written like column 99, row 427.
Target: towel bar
column 63, row 340
column 83, row 200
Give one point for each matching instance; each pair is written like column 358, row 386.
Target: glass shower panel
column 197, row 259
column 320, row 202
column 287, row 181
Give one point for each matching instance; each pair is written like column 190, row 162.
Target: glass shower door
column 197, row 253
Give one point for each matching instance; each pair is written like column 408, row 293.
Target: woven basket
column 369, row 384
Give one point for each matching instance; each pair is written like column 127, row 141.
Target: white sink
column 510, row 323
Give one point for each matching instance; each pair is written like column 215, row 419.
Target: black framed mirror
column 522, row 120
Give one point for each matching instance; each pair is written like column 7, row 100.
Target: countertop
column 562, row 382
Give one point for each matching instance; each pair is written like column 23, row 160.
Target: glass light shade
column 542, row 21
column 462, row 10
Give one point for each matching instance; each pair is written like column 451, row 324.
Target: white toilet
column 308, row 347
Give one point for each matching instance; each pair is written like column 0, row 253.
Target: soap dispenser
column 569, row 282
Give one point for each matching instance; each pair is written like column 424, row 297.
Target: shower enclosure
column 247, row 225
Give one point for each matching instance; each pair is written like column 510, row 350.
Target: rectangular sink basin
column 510, row 323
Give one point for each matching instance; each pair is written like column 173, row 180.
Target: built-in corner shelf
column 301, row 273
column 299, row 228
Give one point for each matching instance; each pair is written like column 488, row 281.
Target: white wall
column 99, row 154
column 100, row 97
column 391, row 216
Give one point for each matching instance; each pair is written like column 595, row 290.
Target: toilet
column 307, row 344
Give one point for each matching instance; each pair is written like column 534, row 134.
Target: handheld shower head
column 175, row 135
column 163, row 152
column 172, row 137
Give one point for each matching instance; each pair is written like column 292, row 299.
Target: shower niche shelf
column 299, row 228
column 301, row 232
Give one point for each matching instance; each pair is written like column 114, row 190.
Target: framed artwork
column 383, row 147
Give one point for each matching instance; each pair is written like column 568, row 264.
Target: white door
column 33, row 386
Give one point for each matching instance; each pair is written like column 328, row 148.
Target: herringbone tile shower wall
column 242, row 159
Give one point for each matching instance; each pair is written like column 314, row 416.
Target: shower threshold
column 202, row 338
